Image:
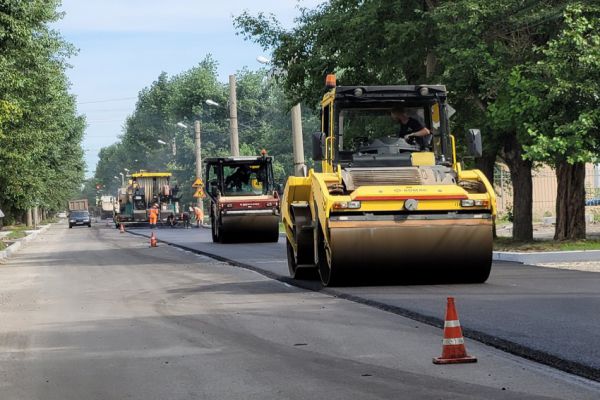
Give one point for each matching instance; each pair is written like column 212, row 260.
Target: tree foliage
column 477, row 48
column 41, row 160
column 263, row 120
column 557, row 98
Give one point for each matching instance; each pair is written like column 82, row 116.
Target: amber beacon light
column 330, row 81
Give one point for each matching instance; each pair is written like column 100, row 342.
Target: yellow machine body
column 378, row 213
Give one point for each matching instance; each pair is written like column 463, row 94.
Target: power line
column 106, row 100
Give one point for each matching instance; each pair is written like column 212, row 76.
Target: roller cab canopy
column 363, row 133
column 239, row 176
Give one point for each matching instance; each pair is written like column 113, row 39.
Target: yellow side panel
column 425, row 158
column 477, row 175
column 416, row 192
column 297, row 189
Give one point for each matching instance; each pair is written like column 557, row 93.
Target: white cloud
column 168, row 16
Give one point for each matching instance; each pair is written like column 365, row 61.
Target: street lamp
column 212, row 103
column 197, row 144
column 122, row 179
column 263, row 60
column 161, row 141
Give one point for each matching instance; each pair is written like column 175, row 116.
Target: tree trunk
column 520, row 174
column 570, row 201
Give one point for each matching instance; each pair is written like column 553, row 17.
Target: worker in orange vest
column 153, row 216
column 199, row 215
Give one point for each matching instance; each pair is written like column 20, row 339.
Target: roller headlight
column 474, row 203
column 346, row 205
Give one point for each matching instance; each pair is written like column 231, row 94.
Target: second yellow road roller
column 387, row 196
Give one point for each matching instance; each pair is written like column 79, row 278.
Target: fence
column 544, row 189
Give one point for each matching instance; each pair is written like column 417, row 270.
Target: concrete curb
column 547, row 256
column 13, row 248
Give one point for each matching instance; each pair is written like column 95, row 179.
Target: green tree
column 558, row 97
column 264, row 123
column 40, row 132
column 470, row 45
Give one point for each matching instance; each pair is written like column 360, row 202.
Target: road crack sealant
column 508, row 346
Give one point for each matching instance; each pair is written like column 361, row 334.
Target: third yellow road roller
column 387, row 196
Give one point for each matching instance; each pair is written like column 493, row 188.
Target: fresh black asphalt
column 548, row 315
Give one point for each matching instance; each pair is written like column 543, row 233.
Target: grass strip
column 507, row 244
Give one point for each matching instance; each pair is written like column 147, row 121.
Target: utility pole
column 197, row 130
column 297, row 142
column 233, row 123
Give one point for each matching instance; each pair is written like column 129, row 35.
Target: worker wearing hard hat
column 153, row 216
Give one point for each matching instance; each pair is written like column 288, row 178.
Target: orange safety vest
column 153, row 215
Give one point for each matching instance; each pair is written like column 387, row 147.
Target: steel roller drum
column 249, row 228
column 457, row 249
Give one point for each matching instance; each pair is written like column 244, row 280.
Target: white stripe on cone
column 453, row 342
column 452, row 324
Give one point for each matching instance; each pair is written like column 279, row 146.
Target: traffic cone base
column 453, row 345
column 153, row 240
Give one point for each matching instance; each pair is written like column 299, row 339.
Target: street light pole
column 197, row 143
column 233, row 124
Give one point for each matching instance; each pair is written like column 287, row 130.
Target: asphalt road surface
column 94, row 314
column 549, row 315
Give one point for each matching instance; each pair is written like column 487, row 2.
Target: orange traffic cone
column 121, row 228
column 453, row 349
column 153, row 240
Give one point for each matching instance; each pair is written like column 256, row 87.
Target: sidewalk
column 582, row 260
column 14, row 247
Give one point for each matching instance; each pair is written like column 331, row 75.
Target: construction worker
column 199, row 213
column 153, row 216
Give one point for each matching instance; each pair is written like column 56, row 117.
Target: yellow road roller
column 387, row 197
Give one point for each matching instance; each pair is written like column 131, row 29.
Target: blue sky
column 125, row 44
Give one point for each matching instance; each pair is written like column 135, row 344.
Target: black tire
column 303, row 273
column 323, row 264
column 70, row 226
column 89, row 225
